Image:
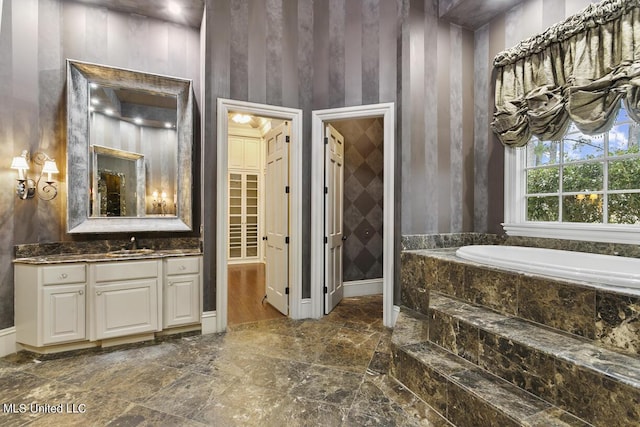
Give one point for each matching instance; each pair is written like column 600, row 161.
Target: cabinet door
column 63, row 317
column 181, row 300
column 126, row 308
column 243, row 216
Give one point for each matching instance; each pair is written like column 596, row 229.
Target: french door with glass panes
column 243, row 216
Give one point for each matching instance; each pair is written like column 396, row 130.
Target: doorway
column 320, row 119
column 285, row 237
column 258, row 176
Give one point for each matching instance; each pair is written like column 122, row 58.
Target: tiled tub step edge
column 597, row 384
column 467, row 395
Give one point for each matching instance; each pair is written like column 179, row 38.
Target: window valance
column 577, row 70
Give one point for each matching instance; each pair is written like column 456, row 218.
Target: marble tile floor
column 328, row 372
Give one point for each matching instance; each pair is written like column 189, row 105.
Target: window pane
column 582, row 177
column 624, row 174
column 582, row 208
column 541, row 153
column 578, row 146
column 542, row 208
column 624, row 208
column 543, row 180
column 624, row 139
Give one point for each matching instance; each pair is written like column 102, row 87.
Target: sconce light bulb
column 95, row 101
column 168, row 125
column 108, row 111
column 137, row 120
column 164, row 195
column 155, row 194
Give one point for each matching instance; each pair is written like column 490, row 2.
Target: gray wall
column 297, row 53
column 322, row 54
column 528, row 18
column 35, row 38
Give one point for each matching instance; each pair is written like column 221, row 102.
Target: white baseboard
column 209, row 323
column 8, row 341
column 396, row 312
column 359, row 288
column 306, row 309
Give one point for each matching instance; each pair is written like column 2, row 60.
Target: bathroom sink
column 129, row 252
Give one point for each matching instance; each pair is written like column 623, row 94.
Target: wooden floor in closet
column 245, row 293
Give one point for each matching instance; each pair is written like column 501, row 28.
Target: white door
column 277, row 217
column 334, row 189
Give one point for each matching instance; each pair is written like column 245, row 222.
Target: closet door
column 236, row 216
column 243, row 216
column 251, row 216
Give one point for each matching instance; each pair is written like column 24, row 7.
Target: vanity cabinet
column 181, row 293
column 124, row 298
column 68, row 305
column 50, row 304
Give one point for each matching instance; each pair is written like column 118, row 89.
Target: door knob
column 344, row 238
column 264, row 237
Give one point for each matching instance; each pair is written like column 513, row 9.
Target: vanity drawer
column 67, row 273
column 125, row 270
column 183, row 265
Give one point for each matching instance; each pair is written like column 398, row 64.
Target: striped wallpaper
column 307, row 54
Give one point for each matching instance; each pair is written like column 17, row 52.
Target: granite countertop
column 106, row 256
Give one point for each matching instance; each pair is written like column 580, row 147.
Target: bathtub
column 605, row 270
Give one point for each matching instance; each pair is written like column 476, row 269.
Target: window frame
column 515, row 207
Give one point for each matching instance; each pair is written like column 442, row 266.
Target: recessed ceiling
column 190, row 10
column 473, row 14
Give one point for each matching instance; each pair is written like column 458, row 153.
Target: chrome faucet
column 134, row 244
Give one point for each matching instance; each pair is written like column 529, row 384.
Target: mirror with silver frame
column 129, row 150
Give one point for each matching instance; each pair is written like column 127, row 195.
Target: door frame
column 226, row 106
column 318, row 119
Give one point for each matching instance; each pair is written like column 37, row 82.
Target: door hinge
column 287, row 139
column 326, row 239
column 286, row 189
column 326, row 140
column 286, row 240
column 326, row 190
column 326, row 290
column 286, row 290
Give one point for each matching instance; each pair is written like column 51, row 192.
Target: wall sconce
column 27, row 187
column 159, row 204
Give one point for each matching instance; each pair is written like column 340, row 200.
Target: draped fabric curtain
column 578, row 70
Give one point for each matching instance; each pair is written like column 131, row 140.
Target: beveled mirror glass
column 129, row 150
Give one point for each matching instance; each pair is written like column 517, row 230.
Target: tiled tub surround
column 455, row 240
column 486, row 344
column 608, row 317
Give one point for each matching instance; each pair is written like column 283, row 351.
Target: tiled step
column 462, row 392
column 596, row 384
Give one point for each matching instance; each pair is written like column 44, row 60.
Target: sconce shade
column 20, row 163
column 50, row 167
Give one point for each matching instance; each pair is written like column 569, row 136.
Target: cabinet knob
column 182, row 267
column 63, row 276
column 98, row 292
column 170, row 283
column 81, row 292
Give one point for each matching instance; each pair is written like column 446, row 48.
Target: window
column 579, row 183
